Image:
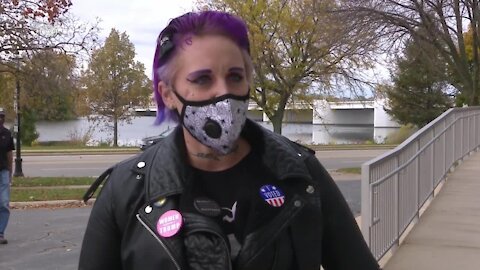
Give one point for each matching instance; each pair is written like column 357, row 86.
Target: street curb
column 52, row 187
column 51, row 204
column 79, row 152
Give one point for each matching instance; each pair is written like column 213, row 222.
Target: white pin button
column 299, row 154
column 310, row 189
column 139, row 176
column 141, row 164
column 148, row 209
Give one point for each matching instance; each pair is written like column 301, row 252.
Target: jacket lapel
column 164, row 167
column 149, row 216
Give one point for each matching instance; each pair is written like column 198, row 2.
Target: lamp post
column 18, row 159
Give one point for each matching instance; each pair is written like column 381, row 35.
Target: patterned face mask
column 216, row 123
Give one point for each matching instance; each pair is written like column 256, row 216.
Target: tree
column 29, row 26
column 7, row 91
column 437, row 22
column 29, row 132
column 114, row 82
column 295, row 45
column 419, row 94
column 50, row 86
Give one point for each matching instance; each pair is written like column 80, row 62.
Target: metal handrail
column 397, row 184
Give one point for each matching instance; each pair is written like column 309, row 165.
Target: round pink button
column 169, row 223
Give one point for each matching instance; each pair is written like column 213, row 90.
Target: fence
column 397, row 184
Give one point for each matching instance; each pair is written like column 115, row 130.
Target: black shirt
column 238, row 193
column 6, row 145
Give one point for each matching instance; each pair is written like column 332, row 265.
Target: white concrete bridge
column 322, row 112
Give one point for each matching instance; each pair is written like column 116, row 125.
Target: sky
column 142, row 20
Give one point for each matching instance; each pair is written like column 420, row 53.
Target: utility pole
column 18, row 159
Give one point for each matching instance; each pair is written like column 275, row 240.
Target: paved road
column 337, row 159
column 94, row 165
column 351, row 190
column 69, row 165
column 44, row 239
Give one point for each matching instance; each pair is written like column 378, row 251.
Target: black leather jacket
column 315, row 227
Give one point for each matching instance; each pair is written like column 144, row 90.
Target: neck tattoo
column 209, row 156
column 212, row 156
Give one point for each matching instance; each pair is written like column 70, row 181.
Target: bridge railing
column 398, row 183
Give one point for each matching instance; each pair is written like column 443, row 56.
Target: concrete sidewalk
column 448, row 233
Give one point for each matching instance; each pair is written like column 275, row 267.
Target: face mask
column 216, row 123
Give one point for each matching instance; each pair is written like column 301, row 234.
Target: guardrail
column 398, row 183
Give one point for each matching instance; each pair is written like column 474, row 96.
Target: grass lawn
column 355, row 170
column 51, row 181
column 28, row 195
column 49, row 188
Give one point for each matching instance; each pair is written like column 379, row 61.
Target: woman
column 220, row 192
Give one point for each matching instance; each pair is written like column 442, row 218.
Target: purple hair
column 197, row 24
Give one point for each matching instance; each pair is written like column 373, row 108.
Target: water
column 128, row 134
column 141, row 127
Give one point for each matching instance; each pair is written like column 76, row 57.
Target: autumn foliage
column 49, row 9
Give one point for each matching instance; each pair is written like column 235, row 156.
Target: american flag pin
column 272, row 195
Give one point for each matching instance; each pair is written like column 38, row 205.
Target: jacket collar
column 166, row 171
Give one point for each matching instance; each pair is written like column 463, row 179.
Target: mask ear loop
column 183, row 101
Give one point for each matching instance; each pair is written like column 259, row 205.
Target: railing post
column 475, row 135
column 444, row 147
column 397, row 202
column 470, row 125
column 461, row 136
column 432, row 194
column 477, row 131
column 454, row 144
column 366, row 206
column 468, row 134
column 417, row 179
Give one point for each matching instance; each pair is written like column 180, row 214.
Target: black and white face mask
column 216, row 123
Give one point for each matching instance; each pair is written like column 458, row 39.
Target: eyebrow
column 196, row 74
column 236, row 69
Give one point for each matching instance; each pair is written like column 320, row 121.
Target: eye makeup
column 200, row 76
column 237, row 69
column 197, row 74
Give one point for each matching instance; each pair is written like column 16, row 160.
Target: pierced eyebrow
column 196, row 74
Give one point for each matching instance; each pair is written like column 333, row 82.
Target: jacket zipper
column 223, row 240
column 159, row 241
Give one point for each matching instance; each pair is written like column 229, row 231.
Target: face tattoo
column 216, row 123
